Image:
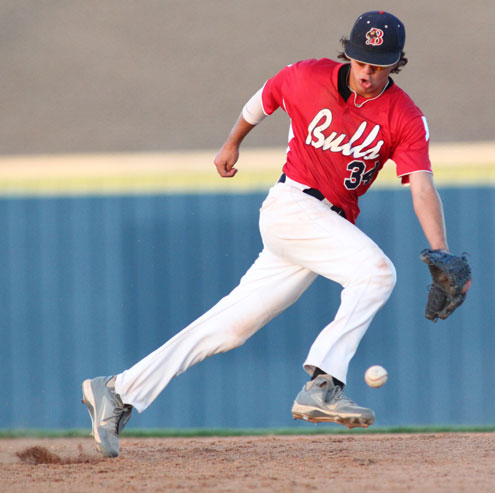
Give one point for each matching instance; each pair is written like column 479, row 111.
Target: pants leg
column 309, row 234
column 267, row 288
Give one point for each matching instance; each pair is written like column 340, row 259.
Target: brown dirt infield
column 315, row 463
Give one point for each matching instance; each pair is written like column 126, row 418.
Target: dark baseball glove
column 451, row 276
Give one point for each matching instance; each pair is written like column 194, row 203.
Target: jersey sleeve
column 412, row 153
column 273, row 90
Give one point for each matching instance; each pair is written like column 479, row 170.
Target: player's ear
column 394, row 68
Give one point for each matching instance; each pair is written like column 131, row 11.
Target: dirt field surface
column 317, row 463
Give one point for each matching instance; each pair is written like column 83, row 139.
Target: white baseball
column 376, row 376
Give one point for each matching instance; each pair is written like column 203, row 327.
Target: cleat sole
column 350, row 422
column 89, row 400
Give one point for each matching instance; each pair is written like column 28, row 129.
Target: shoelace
column 122, row 416
column 337, row 393
column 121, row 412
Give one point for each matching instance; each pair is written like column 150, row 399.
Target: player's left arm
column 428, row 208
column 451, row 274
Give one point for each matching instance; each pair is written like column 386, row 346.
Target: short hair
column 400, row 64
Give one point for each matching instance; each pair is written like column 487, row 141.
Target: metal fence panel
column 88, row 285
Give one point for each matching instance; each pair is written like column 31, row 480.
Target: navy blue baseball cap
column 377, row 38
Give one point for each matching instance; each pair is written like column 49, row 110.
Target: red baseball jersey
column 338, row 142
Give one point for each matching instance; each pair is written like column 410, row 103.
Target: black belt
column 317, row 195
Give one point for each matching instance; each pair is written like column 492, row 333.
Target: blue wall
column 89, row 285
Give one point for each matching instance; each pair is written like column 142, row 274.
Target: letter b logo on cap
column 374, row 37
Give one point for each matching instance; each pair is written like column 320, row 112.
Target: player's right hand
column 225, row 160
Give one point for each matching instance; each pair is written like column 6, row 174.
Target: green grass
column 231, row 432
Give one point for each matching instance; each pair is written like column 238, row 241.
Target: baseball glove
column 451, row 276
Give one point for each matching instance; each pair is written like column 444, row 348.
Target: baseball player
column 347, row 118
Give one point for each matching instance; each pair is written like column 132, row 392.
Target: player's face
column 368, row 80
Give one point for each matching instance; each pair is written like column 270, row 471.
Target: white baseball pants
column 302, row 238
